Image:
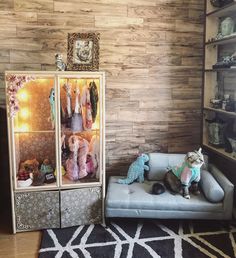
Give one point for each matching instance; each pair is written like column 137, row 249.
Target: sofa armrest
column 228, row 188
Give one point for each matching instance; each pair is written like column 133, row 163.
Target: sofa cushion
column 137, row 196
column 159, row 162
column 211, row 188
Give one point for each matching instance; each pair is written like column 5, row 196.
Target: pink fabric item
column 89, row 165
column 82, row 158
column 186, row 176
column 72, row 169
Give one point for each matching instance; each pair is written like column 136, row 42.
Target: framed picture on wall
column 83, row 51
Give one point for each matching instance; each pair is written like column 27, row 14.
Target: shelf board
column 223, row 11
column 46, row 131
column 220, row 151
column 221, row 111
column 37, row 188
column 232, row 69
column 225, row 40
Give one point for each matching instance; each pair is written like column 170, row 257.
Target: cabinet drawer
column 37, row 210
column 81, row 206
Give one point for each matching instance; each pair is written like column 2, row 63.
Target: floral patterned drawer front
column 37, row 210
column 81, row 206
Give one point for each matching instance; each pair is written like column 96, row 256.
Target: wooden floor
column 20, row 245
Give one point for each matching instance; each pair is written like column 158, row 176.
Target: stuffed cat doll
column 179, row 178
column 136, row 170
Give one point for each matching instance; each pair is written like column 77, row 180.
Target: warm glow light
column 23, row 95
column 96, row 125
column 23, row 128
column 24, row 113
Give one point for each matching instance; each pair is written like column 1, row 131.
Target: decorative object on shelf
column 216, row 129
column 227, row 26
column 136, row 170
column 14, row 84
column 87, row 110
column 216, row 103
column 83, row 51
column 228, row 103
column 226, row 62
column 233, row 146
column 60, row 65
column 220, row 3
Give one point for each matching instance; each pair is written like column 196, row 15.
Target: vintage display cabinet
column 219, row 95
column 56, row 134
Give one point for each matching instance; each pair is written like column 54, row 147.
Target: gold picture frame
column 83, row 51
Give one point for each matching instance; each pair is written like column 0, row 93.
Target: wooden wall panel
column 151, row 51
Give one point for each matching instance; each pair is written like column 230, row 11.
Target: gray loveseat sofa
column 136, row 201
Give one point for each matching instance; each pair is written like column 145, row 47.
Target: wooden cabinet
column 219, row 95
column 56, row 142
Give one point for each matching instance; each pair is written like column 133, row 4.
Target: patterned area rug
column 142, row 239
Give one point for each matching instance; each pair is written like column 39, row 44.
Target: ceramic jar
column 227, row 26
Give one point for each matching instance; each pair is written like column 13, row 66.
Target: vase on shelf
column 216, row 131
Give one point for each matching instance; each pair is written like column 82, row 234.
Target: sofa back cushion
column 159, row 162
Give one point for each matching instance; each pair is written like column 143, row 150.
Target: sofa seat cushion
column 137, row 196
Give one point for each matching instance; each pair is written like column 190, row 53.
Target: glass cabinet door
column 80, row 130
column 32, row 111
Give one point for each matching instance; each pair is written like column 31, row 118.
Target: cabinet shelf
column 40, row 131
column 220, row 151
column 37, row 188
column 233, row 114
column 223, row 11
column 223, row 41
column 232, row 69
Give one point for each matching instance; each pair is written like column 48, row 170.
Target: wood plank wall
column 151, row 51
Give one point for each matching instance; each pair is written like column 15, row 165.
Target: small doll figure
column 60, row 65
column 47, row 170
column 46, row 167
column 67, row 88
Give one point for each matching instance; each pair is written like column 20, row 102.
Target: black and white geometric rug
column 142, row 239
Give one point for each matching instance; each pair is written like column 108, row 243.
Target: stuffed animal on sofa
column 136, row 170
column 180, row 178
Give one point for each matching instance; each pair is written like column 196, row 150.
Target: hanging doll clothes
column 76, row 163
column 76, row 120
column 93, row 99
column 67, row 88
column 93, row 157
column 87, row 109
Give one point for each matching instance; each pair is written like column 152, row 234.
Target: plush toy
column 179, row 178
column 136, row 170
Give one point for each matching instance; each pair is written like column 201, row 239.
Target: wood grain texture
column 151, row 51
